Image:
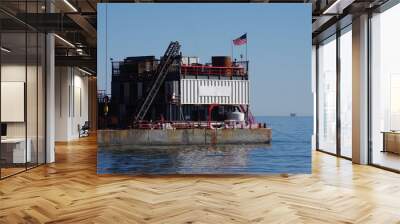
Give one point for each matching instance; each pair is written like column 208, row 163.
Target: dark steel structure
column 145, row 88
column 161, row 72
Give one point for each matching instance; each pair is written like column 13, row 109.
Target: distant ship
column 293, row 114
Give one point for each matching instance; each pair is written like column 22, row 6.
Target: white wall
column 71, row 102
column 14, row 72
column 62, row 83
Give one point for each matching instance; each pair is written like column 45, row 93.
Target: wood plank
column 70, row 191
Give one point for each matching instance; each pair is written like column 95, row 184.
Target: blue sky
column 279, row 44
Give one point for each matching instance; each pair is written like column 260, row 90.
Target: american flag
column 241, row 40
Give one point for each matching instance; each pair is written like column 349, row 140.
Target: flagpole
column 246, row 46
column 232, row 50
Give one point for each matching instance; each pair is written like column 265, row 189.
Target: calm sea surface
column 289, row 152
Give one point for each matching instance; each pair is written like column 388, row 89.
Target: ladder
column 161, row 72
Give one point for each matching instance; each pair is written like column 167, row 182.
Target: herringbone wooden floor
column 69, row 191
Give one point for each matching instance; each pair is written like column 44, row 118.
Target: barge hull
column 183, row 136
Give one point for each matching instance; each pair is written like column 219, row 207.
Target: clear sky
column 279, row 44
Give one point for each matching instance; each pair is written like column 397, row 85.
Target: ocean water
column 289, row 152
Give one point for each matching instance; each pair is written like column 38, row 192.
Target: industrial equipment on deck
column 179, row 91
column 170, row 55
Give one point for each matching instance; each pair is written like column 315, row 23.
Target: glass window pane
column 23, row 89
column 346, row 93
column 386, row 89
column 327, row 95
column 14, row 153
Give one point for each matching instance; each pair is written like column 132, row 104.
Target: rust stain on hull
column 184, row 136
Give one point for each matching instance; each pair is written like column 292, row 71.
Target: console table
column 391, row 141
column 13, row 150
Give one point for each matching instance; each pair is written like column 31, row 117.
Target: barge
column 176, row 100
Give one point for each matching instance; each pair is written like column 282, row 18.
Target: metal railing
column 212, row 70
